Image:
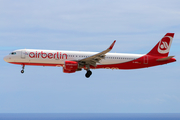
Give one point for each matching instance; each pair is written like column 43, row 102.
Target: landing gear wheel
column 22, row 71
column 88, row 74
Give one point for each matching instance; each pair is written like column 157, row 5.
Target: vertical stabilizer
column 163, row 46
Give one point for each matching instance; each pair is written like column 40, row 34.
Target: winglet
column 112, row 45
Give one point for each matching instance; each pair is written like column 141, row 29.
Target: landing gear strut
column 22, row 71
column 88, row 74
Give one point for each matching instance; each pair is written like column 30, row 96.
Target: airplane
column 72, row 61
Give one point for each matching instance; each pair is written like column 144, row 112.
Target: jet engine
column 70, row 66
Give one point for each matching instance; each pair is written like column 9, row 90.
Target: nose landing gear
column 22, row 71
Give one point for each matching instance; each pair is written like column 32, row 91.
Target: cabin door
column 23, row 54
column 145, row 59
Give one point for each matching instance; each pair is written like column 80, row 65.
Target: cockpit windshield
column 13, row 53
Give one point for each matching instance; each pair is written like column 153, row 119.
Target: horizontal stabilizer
column 164, row 59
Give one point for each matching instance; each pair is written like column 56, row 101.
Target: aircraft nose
column 6, row 58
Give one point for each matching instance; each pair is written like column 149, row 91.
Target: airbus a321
column 73, row 61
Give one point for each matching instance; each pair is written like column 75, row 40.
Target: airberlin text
column 56, row 55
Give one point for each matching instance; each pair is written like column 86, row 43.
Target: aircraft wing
column 92, row 60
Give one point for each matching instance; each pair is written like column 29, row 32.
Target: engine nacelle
column 70, row 66
column 68, row 71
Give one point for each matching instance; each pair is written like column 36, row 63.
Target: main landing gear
column 22, row 71
column 88, row 74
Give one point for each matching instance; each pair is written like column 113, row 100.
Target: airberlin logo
column 164, row 45
column 57, row 55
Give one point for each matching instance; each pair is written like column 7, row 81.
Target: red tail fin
column 163, row 46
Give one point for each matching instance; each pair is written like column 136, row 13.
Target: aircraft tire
column 88, row 74
column 22, row 71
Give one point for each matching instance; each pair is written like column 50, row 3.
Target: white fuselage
column 59, row 57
